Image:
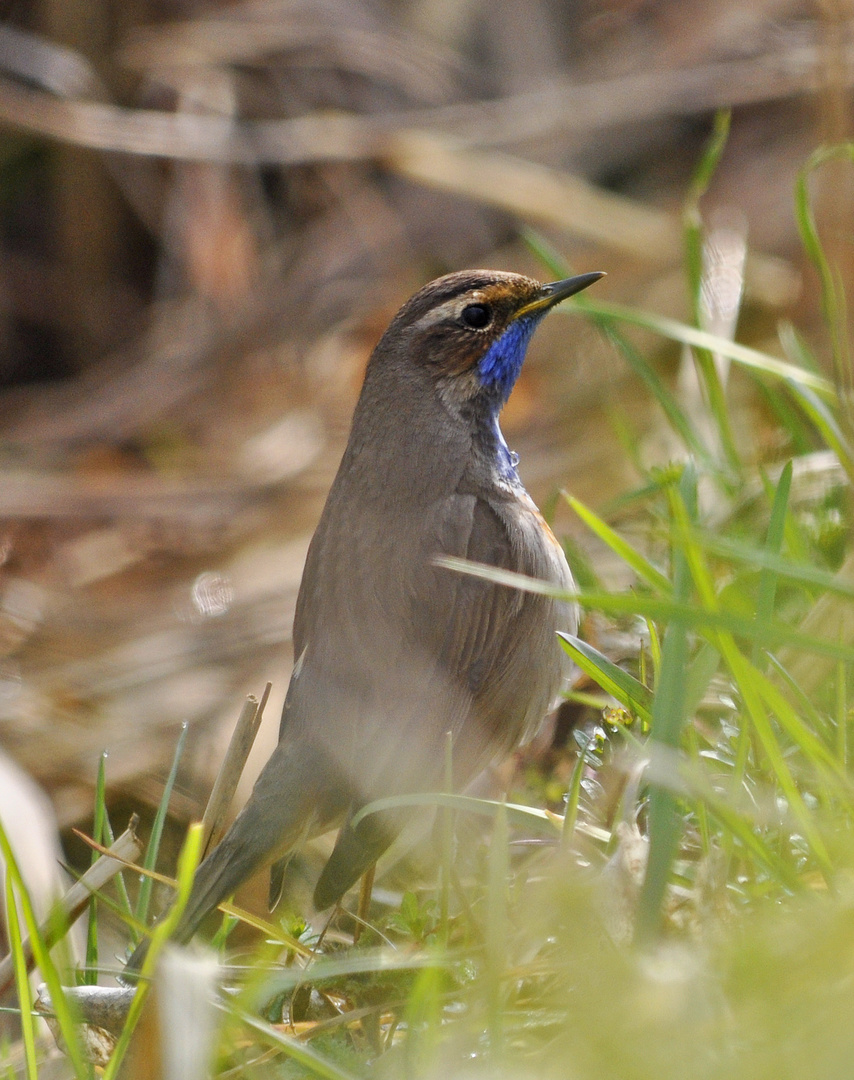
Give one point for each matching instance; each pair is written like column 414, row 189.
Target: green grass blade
column 817, row 753
column 718, row 407
column 749, row 682
column 188, row 860
column 22, row 983
column 671, row 408
column 633, row 558
column 660, row 609
column 524, row 815
column 693, row 239
column 692, row 740
column 423, row 1016
column 622, row 686
column 150, row 860
column 814, row 719
column 363, row 961
column 711, row 158
column 65, row 1017
column 654, row 652
column 124, row 907
column 708, row 622
column 99, row 833
column 668, row 719
column 310, row 1062
column 841, row 716
column 699, row 674
column 665, row 823
column 826, row 424
column 751, row 359
column 573, row 797
column 832, row 292
column 767, row 591
column 788, row 417
column 796, row 349
column 548, row 255
column 743, row 830
column 779, row 567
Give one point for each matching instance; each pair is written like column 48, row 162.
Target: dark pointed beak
column 553, row 293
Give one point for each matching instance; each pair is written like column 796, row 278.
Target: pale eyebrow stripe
column 451, row 308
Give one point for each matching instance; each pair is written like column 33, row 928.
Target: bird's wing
column 497, row 642
column 396, row 650
column 467, row 618
column 457, row 627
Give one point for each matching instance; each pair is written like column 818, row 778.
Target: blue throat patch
column 498, row 370
column 500, row 365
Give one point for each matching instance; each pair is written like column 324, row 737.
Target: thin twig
column 76, row 900
column 329, row 137
column 232, row 768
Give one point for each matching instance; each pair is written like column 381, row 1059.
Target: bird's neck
column 490, row 448
column 405, row 447
column 411, row 442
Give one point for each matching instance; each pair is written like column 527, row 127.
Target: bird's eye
column 476, row 316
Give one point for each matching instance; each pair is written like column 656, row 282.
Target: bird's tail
column 291, row 800
column 218, row 876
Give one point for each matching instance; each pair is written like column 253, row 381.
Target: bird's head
column 471, row 329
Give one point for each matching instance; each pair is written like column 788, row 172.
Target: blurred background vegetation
column 209, row 213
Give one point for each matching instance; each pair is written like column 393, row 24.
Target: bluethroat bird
column 392, row 650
